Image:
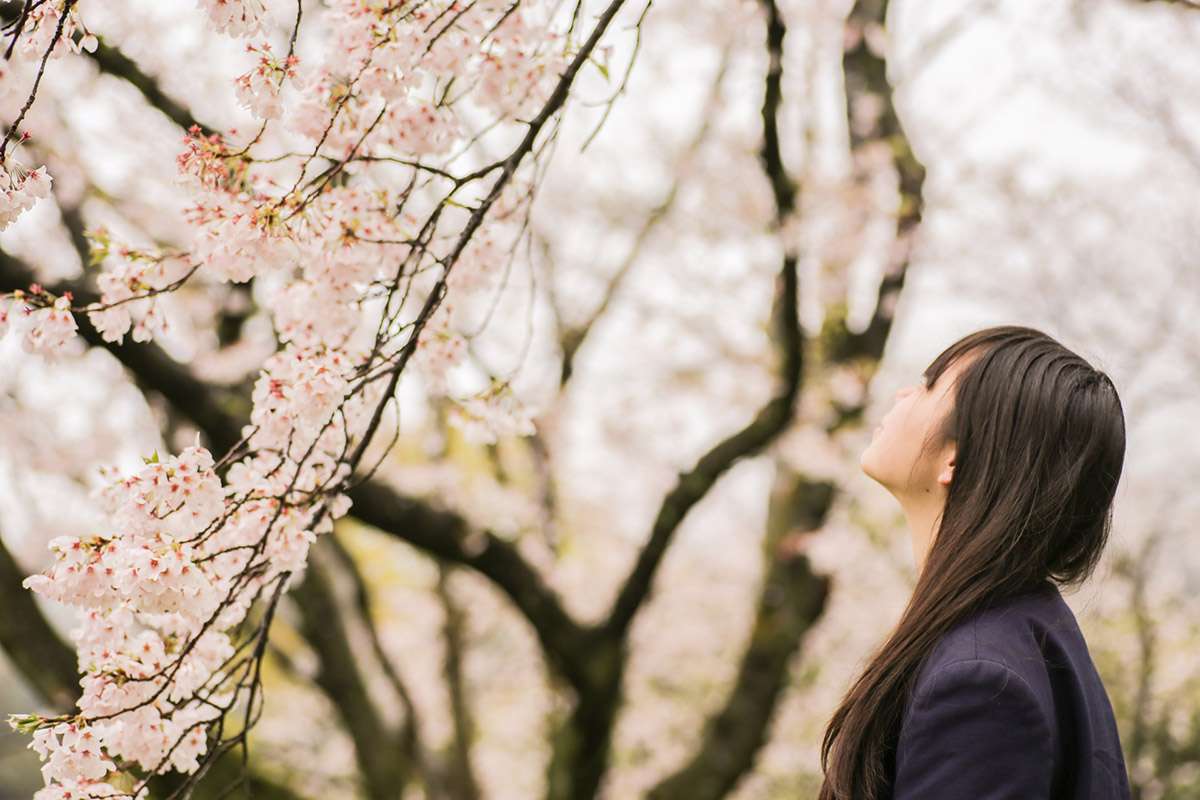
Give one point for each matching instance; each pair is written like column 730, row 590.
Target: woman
column 1005, row 460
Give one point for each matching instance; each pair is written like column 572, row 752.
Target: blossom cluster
column 259, row 89
column 44, row 327
column 47, row 29
column 352, row 245
column 153, row 630
column 40, row 31
column 238, row 18
column 162, row 596
column 20, row 188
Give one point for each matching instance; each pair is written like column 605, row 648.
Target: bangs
column 948, row 357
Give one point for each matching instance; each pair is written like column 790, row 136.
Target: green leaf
column 26, row 723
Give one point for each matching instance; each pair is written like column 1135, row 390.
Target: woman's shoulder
column 1025, row 635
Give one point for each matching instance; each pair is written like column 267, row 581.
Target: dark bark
column 377, row 746
column 460, row 778
column 867, row 87
column 582, row 744
column 409, row 735
column 34, row 647
column 791, row 600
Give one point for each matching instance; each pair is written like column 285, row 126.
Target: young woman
column 1005, row 460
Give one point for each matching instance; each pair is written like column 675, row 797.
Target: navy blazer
column 1009, row 707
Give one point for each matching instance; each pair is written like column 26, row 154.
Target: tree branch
column 876, row 124
column 441, row 533
column 112, row 61
column 778, row 413
column 32, row 644
column 377, row 748
column 447, row 536
column 409, row 737
column 461, row 776
column 791, row 600
column 212, row 412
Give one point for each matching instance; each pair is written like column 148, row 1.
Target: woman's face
column 909, row 454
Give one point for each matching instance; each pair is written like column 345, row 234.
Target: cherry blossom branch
column 185, row 788
column 17, row 24
column 441, row 533
column 241, row 225
column 58, row 32
column 554, row 104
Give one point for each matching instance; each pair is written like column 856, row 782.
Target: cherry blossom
column 259, row 89
column 240, row 18
column 497, row 413
column 353, row 243
column 19, row 190
column 51, row 328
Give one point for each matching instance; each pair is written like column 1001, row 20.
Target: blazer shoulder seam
column 1010, row 672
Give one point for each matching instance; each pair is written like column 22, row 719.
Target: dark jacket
column 1009, row 707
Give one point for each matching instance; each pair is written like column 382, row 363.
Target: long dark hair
column 1039, row 438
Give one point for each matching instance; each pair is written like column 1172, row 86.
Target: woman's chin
column 866, row 464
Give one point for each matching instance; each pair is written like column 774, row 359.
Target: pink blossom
column 182, row 555
column 20, row 188
column 259, row 89
column 307, row 313
column 238, row 248
column 440, row 347
column 419, row 128
column 72, row 752
column 52, row 328
column 486, row 417
column 238, row 18
column 6, row 306
column 258, row 92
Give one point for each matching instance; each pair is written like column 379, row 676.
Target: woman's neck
column 924, row 515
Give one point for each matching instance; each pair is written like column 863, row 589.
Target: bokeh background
column 954, row 165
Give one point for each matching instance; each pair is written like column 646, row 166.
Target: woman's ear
column 946, row 468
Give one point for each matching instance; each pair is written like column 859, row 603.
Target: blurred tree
column 586, row 661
